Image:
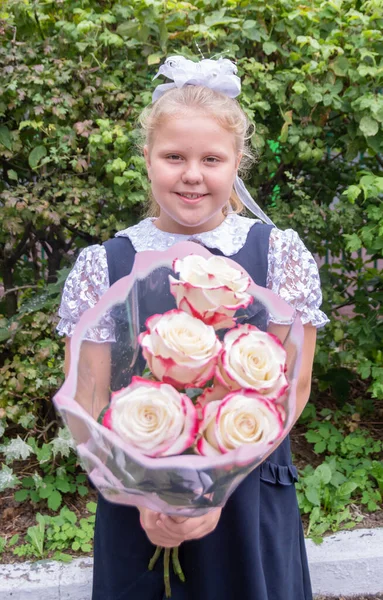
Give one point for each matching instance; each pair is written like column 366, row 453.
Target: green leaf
column 128, row 29
column 154, row 59
column 353, row 242
column 46, row 490
column 62, row 485
column 284, row 133
column 36, row 155
column 35, row 496
column 82, row 490
column 12, row 175
column 312, row 495
column 5, row 137
column 86, row 547
column 62, row 557
column 37, row 534
column 347, row 488
column 92, row 507
column 288, row 117
column 376, row 142
column 320, row 447
column 14, row 539
column 217, row 18
column 269, row 47
column 5, row 334
column 299, row 88
column 250, row 30
column 44, row 454
column 324, row 472
column 352, row 193
column 54, row 500
column 369, row 126
column 21, row 495
column 313, row 436
column 340, row 66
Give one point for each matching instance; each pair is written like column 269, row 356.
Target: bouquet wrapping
column 197, row 395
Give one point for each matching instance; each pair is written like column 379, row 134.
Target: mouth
column 190, row 198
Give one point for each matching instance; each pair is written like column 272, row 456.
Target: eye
column 174, row 157
column 212, row 159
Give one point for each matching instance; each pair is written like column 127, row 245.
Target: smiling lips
column 190, row 198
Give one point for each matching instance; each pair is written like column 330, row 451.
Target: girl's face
column 192, row 163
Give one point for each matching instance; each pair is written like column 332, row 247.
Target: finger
column 199, row 532
column 161, row 538
column 175, row 536
column 148, row 519
column 178, row 519
column 205, row 527
column 165, row 543
column 179, row 529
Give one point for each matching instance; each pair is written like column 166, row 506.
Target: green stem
column 154, row 558
column 177, row 565
column 168, row 591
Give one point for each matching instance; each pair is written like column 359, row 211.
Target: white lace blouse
column 292, row 270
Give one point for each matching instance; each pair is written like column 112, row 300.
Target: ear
column 238, row 161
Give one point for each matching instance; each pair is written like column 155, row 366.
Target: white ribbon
column 220, row 76
column 247, row 200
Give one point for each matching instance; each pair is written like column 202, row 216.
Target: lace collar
column 229, row 237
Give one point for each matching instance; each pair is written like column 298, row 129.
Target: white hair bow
column 219, row 75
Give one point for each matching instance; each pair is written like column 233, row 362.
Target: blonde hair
column 226, row 111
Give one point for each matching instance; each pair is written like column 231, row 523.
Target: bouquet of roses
column 202, row 392
column 198, row 393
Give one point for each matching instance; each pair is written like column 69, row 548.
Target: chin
column 199, row 219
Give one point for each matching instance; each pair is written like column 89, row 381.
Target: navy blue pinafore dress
column 256, row 552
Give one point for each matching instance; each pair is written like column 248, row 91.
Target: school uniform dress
column 257, row 550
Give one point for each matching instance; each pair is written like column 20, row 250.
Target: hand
column 155, row 530
column 192, row 528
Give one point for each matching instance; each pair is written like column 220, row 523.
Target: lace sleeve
column 85, row 284
column 293, row 275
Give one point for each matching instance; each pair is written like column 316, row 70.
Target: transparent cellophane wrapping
column 188, row 484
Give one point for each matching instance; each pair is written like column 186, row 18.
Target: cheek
column 162, row 177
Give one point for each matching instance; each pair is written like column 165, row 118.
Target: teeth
column 191, row 196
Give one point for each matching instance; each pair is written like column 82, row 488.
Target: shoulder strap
column 253, row 256
column 120, row 256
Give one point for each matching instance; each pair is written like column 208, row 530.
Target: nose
column 192, row 173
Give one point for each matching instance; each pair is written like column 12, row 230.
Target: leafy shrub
column 56, row 536
column 351, row 474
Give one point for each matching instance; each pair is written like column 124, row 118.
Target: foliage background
column 74, row 76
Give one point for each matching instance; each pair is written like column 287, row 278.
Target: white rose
column 253, row 359
column 180, row 349
column 210, row 289
column 153, row 417
column 241, row 418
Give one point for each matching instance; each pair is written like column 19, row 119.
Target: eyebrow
column 208, row 152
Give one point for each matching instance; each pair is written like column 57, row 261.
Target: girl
column 252, row 549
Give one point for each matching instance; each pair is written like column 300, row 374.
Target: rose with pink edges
column 241, row 418
column 253, row 359
column 152, row 417
column 210, row 289
column 180, row 349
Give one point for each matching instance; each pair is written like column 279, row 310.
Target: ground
column 373, row 597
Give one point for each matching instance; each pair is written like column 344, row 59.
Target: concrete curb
column 347, row 563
